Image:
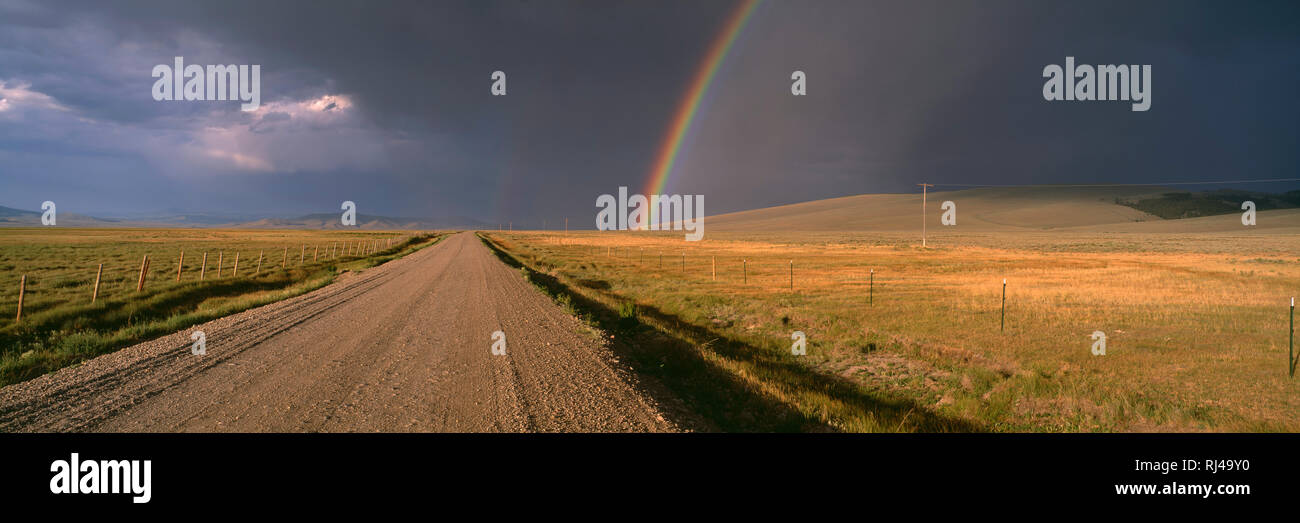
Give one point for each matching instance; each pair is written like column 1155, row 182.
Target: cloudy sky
column 388, row 103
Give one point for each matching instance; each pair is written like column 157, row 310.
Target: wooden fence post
column 1004, row 305
column 235, row 273
column 303, row 255
column 315, row 253
column 791, row 274
column 22, row 289
column 95, row 294
column 744, row 271
column 204, row 268
column 221, row 255
column 179, row 265
column 715, row 268
column 871, row 290
column 259, row 263
column 144, row 266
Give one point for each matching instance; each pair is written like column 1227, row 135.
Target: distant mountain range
column 364, row 221
column 10, row 217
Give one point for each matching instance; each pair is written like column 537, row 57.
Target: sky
column 388, row 104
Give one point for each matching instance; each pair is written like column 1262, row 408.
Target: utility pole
column 924, row 186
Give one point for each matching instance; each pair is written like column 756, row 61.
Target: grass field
column 60, row 326
column 1196, row 326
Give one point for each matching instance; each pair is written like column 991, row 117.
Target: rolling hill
column 364, row 221
column 10, row 217
column 988, row 210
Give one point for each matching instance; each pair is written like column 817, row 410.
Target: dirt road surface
column 404, row 346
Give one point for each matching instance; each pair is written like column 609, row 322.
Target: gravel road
column 404, row 346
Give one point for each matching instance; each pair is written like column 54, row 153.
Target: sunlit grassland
column 1196, row 324
column 60, row 326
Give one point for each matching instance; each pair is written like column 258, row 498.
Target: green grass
column 1177, row 205
column 60, row 326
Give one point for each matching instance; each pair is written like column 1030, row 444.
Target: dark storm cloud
column 899, row 92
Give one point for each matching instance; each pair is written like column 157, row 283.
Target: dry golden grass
column 1196, row 324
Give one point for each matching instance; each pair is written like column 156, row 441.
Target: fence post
column 744, row 271
column 1004, row 304
column 204, row 268
column 179, row 265
column 315, row 254
column 22, row 289
column 715, row 268
column 259, row 263
column 1290, row 340
column 792, row 275
column 235, row 273
column 95, row 294
column 303, row 255
column 144, row 263
column 284, row 261
column 221, row 255
column 871, row 290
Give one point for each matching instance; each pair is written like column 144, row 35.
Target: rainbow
column 690, row 105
